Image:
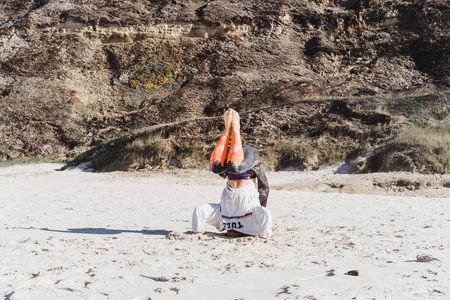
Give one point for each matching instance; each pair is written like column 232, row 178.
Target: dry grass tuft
column 433, row 138
column 305, row 154
column 432, row 145
column 416, row 149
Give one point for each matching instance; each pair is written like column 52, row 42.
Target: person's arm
column 263, row 184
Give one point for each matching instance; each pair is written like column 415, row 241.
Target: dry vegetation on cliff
column 388, row 141
column 317, row 82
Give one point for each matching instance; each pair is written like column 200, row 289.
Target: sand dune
column 82, row 235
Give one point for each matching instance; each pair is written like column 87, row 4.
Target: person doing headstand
column 242, row 207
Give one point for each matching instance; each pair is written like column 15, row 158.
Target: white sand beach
column 83, row 235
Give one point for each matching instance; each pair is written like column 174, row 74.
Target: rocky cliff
column 316, row 82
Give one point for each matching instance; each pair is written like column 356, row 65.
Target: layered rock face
column 74, row 74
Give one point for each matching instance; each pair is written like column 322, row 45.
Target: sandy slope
column 81, row 235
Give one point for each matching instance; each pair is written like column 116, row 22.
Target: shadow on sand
column 108, row 231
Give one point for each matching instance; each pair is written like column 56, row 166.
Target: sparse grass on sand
column 30, row 160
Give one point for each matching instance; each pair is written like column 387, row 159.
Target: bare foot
column 198, row 233
column 235, row 122
column 228, row 118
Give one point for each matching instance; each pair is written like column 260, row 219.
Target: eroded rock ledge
column 110, row 34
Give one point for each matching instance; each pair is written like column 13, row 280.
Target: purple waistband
column 242, row 176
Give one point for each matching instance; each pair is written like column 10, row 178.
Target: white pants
column 239, row 209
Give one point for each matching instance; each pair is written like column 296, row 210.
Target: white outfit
column 239, row 209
